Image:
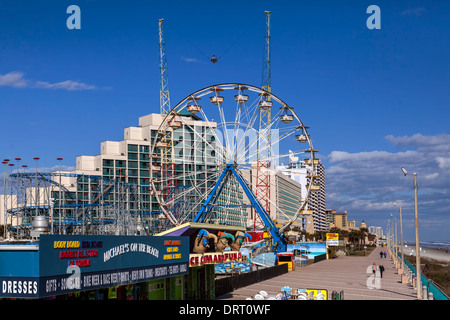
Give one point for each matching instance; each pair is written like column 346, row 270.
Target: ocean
column 431, row 244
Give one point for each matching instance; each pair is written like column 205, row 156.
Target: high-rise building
column 299, row 172
column 339, row 219
column 378, row 231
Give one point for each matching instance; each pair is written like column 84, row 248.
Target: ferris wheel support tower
column 264, row 144
column 168, row 169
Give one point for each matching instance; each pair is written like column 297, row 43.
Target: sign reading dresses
column 78, row 263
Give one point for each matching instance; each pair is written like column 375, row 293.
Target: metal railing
column 231, row 283
column 431, row 290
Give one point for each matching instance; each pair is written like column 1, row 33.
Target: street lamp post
column 395, row 237
column 388, row 234
column 416, row 218
column 401, row 235
column 396, row 242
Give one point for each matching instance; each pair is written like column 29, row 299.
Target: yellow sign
column 332, row 236
column 315, row 294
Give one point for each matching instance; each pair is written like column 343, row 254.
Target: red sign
column 214, row 258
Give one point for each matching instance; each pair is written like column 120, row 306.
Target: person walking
column 381, row 254
column 384, row 253
column 374, row 269
column 381, row 267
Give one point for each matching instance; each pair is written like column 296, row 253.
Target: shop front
column 212, row 248
column 95, row 268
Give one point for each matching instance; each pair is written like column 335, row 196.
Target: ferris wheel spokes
column 236, row 140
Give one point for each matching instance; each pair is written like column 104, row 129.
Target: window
column 144, row 156
column 144, row 149
column 121, row 164
column 132, row 164
column 144, row 165
column 132, row 148
column 108, row 163
column 132, row 156
column 133, row 173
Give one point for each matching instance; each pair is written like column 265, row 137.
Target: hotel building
column 298, row 171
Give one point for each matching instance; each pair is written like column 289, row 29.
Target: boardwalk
column 344, row 273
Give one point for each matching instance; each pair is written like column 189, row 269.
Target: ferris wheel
column 216, row 128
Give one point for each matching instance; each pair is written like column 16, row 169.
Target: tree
column 353, row 237
column 363, row 233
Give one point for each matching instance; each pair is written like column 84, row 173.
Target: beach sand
column 431, row 253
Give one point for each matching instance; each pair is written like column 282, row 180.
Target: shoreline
column 427, row 252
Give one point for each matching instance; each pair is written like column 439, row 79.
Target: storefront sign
column 77, row 263
column 332, row 239
column 332, row 236
column 214, row 258
column 332, row 243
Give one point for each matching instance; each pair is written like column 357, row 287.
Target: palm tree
column 353, row 237
column 344, row 234
column 335, row 230
column 363, row 233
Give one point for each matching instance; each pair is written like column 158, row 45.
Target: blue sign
column 82, row 262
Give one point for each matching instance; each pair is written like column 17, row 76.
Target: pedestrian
column 384, row 254
column 381, row 254
column 374, row 269
column 381, row 267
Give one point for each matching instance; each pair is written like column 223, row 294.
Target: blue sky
column 376, row 100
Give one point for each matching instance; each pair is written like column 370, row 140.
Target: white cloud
column 339, row 156
column 66, row 85
column 439, row 141
column 444, row 163
column 13, row 79
column 366, row 184
column 16, row 79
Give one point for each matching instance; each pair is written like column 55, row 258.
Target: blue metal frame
column 279, row 244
